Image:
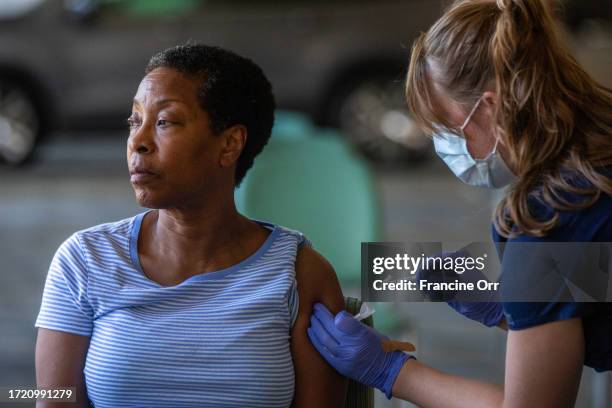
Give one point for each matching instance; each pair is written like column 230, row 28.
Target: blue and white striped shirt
column 218, row 339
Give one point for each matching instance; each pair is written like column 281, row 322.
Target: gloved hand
column 484, row 307
column 355, row 349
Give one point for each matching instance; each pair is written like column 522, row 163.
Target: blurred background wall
column 69, row 69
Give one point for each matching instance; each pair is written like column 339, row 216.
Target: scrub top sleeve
column 521, row 259
column 518, row 258
column 523, row 315
column 65, row 305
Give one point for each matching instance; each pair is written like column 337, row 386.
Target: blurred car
column 75, row 64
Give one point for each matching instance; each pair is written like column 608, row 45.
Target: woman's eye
column 132, row 122
column 163, row 122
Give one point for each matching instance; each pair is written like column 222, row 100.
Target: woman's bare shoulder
column 317, row 280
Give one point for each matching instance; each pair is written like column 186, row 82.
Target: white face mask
column 490, row 172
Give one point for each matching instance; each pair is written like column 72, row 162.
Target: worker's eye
column 163, row 123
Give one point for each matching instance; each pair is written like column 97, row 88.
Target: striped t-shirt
column 218, row 339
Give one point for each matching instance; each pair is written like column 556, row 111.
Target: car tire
column 20, row 123
column 372, row 114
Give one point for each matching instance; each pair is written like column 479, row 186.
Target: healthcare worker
column 507, row 105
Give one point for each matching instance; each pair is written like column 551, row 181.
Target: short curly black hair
column 234, row 90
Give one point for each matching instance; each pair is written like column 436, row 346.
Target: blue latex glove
column 486, row 311
column 354, row 349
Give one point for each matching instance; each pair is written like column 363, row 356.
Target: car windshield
column 17, row 8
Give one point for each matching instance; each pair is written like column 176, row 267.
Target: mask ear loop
column 491, row 153
column 495, row 146
column 469, row 116
column 465, row 123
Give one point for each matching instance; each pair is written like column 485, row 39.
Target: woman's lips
column 142, row 177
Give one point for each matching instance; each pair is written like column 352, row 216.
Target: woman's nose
column 141, row 140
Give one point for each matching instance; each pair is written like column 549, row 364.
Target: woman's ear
column 234, row 140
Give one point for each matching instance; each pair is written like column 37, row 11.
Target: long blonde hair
column 553, row 118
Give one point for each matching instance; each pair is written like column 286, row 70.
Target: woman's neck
column 199, row 239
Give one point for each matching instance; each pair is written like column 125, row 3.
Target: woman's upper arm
column 60, row 360
column 317, row 383
column 544, row 365
column 65, row 323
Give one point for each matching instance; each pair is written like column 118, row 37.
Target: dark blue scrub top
column 593, row 224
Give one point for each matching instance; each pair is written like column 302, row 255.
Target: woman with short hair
column 189, row 304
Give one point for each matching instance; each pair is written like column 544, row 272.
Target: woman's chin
column 147, row 199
